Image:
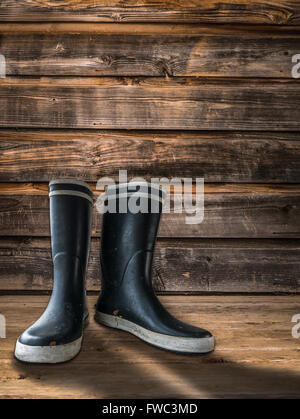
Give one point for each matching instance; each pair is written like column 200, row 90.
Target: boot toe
column 169, row 325
column 36, row 345
column 47, row 354
column 34, row 337
column 195, row 332
column 185, row 338
column 51, row 334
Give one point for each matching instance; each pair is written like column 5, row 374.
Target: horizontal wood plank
column 149, row 50
column 211, row 11
column 255, row 356
column 230, row 215
column 209, row 188
column 150, row 103
column 180, row 266
column 33, row 156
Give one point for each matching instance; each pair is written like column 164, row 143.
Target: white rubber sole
column 171, row 343
column 47, row 354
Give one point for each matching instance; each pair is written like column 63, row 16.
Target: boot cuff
column 134, row 197
column 71, row 187
column 138, row 189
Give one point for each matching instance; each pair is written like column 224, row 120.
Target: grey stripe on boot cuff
column 70, row 192
column 70, row 182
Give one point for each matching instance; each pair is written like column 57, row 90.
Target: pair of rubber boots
column 127, row 300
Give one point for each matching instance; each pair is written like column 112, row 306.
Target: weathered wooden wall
column 204, row 11
column 185, row 89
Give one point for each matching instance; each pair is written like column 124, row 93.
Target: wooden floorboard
column 256, row 355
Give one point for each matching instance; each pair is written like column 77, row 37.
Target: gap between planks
column 145, row 29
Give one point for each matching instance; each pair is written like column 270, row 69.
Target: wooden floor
column 256, row 355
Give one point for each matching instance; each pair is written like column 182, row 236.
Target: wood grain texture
column 255, row 356
column 147, row 50
column 35, row 156
column 180, row 266
column 226, row 215
column 211, row 11
column 150, row 103
column 209, row 188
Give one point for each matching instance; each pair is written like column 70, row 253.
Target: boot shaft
column 70, row 222
column 70, row 218
column 128, row 235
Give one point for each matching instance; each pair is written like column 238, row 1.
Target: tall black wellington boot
column 127, row 300
column 57, row 335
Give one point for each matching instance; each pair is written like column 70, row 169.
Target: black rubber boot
column 127, row 300
column 57, row 335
